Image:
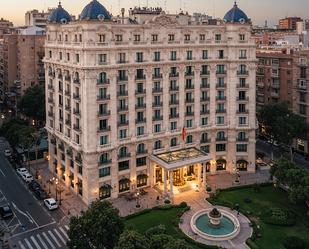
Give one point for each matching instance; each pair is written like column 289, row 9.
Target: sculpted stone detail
column 163, row 20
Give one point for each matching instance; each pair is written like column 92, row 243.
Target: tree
column 158, row 241
column 281, row 125
column 32, row 103
column 177, row 244
column 99, row 227
column 131, row 239
column 26, row 141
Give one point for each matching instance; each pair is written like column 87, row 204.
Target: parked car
column 27, row 177
column 51, row 204
column 34, row 185
column 22, row 171
column 7, row 153
column 6, row 211
column 40, row 194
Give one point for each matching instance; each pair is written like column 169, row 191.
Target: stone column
column 171, row 184
column 165, row 181
column 199, row 171
column 204, row 175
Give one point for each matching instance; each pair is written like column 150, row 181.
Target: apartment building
column 289, row 23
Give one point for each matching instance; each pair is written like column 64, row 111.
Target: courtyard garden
column 277, row 222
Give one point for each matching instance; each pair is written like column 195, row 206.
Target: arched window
column 104, row 158
column 173, row 142
column 141, row 180
column 189, row 139
column 242, row 165
column 204, row 138
column 242, row 136
column 102, row 78
column 221, row 164
column 124, row 184
column 157, row 145
column 221, row 136
column 105, row 191
column 140, row 148
column 123, row 152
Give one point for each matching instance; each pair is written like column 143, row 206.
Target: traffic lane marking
column 2, row 173
column 31, row 230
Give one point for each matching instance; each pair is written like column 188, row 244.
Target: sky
column 257, row 10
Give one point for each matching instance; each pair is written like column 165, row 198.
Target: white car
column 22, row 171
column 7, row 153
column 50, row 203
column 27, row 177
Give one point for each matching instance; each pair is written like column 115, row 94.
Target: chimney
column 122, row 15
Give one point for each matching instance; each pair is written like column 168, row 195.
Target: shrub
column 208, row 189
column 160, row 229
column 279, row 217
column 164, row 207
column 293, row 242
column 167, row 201
column 252, row 244
column 247, row 200
column 182, row 205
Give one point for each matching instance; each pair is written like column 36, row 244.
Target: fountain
column 215, row 224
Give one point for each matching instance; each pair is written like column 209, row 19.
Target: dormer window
column 101, row 38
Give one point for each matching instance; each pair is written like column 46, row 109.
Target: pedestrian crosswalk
column 50, row 239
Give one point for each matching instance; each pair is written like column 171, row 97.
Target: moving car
column 27, row 177
column 40, row 194
column 6, row 211
column 7, row 153
column 51, row 204
column 22, row 171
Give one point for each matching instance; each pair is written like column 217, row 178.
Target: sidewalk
column 71, row 203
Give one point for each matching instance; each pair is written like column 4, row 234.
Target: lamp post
column 56, row 188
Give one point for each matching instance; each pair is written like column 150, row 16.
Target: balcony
column 243, row 73
column 205, row 141
column 242, row 139
column 189, row 101
column 157, row 118
column 50, row 114
column 142, row 152
column 104, row 114
column 222, row 98
column 189, row 114
column 242, row 98
column 221, row 72
column 221, row 139
column 68, row 122
column 174, row 75
column 103, row 97
column 50, row 87
column 220, row 86
column 51, row 74
column 76, row 96
column 204, row 86
column 123, row 123
column 157, row 76
column 242, row 111
column 104, row 129
column 204, row 112
column 122, row 79
column 204, row 99
column 140, row 106
column 159, row 104
column 67, row 93
column 126, row 155
column 221, row 111
column 103, row 81
column 157, row 90
column 123, row 108
column 76, row 81
column 139, row 121
column 50, row 100
column 67, row 78
column 67, row 107
column 176, row 115
column 107, row 161
column 205, row 73
column 140, row 77
column 60, row 76
column 244, row 86
column 76, row 112
column 174, row 102
column 190, row 86
column 174, row 88
column 122, row 94
column 189, row 73
column 77, row 128
column 140, row 91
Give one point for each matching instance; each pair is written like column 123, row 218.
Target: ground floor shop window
column 124, row 185
column 241, row 165
column 221, row 164
column 105, row 191
column 142, row 180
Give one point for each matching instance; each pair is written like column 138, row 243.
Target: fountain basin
column 226, row 229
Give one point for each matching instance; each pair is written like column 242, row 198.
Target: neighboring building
column 271, row 37
column 289, row 23
column 5, row 27
column 133, row 104
column 21, row 63
column 37, row 18
column 275, row 76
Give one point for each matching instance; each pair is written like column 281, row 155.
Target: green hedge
column 279, row 217
column 144, row 211
column 252, row 244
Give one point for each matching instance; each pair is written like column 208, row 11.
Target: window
column 205, row 54
column 141, row 180
column 101, row 38
column 118, row 38
column 241, row 148
column 189, row 123
column 140, row 148
column 189, row 139
column 142, row 161
column 202, row 37
column 220, row 69
column 154, row 38
column 220, row 147
column 124, row 185
column 157, row 145
column 157, row 56
column 50, row 54
column 157, row 128
column 102, row 58
column 171, row 37
column 68, row 56
column 173, row 56
column 77, row 57
column 220, row 54
column 242, row 136
column 189, row 55
column 104, row 158
column 123, row 165
column 105, row 191
column 140, row 131
column 242, row 54
column 204, row 138
column 242, row 120
column 104, row 172
column 204, row 121
column 218, row 37
column 205, row 148
column 104, row 140
column 122, row 134
column 173, row 125
column 139, row 57
column 221, row 136
column 137, row 38
column 187, row 37
column 173, row 142
column 220, row 120
column 242, row 37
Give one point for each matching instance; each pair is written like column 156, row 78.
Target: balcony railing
column 103, row 114
column 242, row 98
column 159, row 104
column 221, row 139
column 103, row 81
column 221, row 111
column 140, row 91
column 174, row 88
column 243, row 72
column 123, row 108
column 103, row 97
column 173, row 75
column 142, row 120
column 124, row 78
column 157, row 90
column 203, row 112
column 223, row 72
column 122, row 93
column 157, row 76
column 123, row 123
column 104, row 129
column 76, row 96
column 174, row 115
column 140, row 106
column 220, row 85
column 157, row 118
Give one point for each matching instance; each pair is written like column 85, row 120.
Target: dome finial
column 235, row 3
column 59, row 5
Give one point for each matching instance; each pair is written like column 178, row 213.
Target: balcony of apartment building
column 242, row 111
column 140, row 91
column 221, row 111
column 104, row 128
column 174, row 88
column 204, row 112
column 174, row 102
column 189, row 86
column 205, row 72
column 103, row 81
column 157, row 118
column 189, row 100
column 220, row 98
column 189, row 113
column 242, row 98
column 123, row 78
column 140, row 120
column 174, row 115
column 243, row 73
column 189, row 74
column 104, row 113
column 76, row 112
column 122, row 93
column 123, row 108
column 242, row 86
column 157, row 89
column 204, row 85
column 275, row 95
column 76, row 96
column 220, row 85
column 123, row 123
column 140, row 77
column 157, row 76
column 77, row 128
column 157, row 104
column 174, row 75
column 140, row 106
column 302, row 85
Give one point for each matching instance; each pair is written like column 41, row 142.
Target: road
column 32, row 222
column 263, row 146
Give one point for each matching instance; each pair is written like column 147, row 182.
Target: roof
column 236, row 15
column 59, row 15
column 95, row 11
column 180, row 158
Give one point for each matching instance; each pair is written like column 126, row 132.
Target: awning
column 180, row 158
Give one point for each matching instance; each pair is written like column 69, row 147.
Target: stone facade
column 118, row 92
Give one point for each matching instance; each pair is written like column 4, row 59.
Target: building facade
column 5, row 27
column 37, row 18
column 132, row 104
column 289, row 23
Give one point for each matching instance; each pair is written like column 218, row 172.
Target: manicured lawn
column 268, row 196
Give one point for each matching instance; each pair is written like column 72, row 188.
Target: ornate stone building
column 132, row 104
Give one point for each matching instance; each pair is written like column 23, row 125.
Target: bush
column 279, row 217
column 144, row 211
column 161, row 229
column 182, row 205
column 293, row 242
column 208, row 189
column 167, row 201
column 252, row 244
column 164, row 207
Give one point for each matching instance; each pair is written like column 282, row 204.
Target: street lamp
column 56, row 188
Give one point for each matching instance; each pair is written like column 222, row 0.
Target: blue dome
column 236, row 15
column 59, row 15
column 94, row 11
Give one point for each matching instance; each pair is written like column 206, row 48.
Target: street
column 263, row 146
column 32, row 225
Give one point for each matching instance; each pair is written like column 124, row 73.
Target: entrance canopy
column 180, row 158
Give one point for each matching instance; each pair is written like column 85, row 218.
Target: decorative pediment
column 163, row 20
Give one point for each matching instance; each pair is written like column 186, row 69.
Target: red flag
column 184, row 133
